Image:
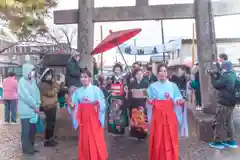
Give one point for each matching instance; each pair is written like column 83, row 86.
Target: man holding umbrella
column 73, row 73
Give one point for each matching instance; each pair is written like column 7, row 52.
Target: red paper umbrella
column 114, row 39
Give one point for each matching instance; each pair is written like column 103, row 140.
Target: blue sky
column 151, row 30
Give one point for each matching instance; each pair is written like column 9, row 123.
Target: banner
column 150, row 50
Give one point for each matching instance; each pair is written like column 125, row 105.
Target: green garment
column 150, row 80
column 61, row 101
column 225, row 78
column 196, row 85
column 225, row 84
column 95, row 71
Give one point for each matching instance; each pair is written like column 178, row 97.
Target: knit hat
column 74, row 53
column 227, row 65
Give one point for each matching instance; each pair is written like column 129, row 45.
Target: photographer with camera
column 224, row 81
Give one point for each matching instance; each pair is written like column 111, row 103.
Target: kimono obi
column 138, row 93
column 117, row 89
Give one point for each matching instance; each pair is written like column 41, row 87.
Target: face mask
column 49, row 77
column 77, row 58
column 31, row 75
column 180, row 72
column 223, row 70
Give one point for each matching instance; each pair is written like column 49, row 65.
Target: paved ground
column 120, row 148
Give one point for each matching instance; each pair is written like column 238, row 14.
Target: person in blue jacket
column 28, row 108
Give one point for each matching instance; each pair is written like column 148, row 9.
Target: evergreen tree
column 26, row 17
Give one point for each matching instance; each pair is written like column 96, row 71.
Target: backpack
column 237, row 90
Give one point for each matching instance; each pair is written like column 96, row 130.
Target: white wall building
column 230, row 46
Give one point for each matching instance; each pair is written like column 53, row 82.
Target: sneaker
column 54, row 141
column 217, row 145
column 13, row 123
column 231, row 144
column 49, row 144
column 198, row 108
column 141, row 139
column 29, row 153
column 6, row 123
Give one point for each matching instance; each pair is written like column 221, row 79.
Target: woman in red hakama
column 92, row 145
column 90, row 115
column 163, row 95
column 163, row 131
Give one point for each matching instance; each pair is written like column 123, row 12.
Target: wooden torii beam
column 143, row 11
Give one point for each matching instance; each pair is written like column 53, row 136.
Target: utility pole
column 101, row 32
column 163, row 42
column 135, row 44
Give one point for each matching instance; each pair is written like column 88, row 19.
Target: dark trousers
column 223, row 123
column 10, row 110
column 50, row 120
column 28, row 135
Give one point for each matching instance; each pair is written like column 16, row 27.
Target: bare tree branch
column 52, row 37
column 65, row 33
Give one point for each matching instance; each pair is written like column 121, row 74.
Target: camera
column 213, row 73
column 215, row 70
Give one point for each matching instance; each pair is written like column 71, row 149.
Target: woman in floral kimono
column 165, row 102
column 117, row 113
column 89, row 104
column 137, row 99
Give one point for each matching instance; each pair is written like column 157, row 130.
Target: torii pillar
column 207, row 51
column 201, row 122
column 85, row 33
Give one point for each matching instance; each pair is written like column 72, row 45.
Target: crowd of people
column 140, row 102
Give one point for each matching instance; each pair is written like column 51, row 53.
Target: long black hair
column 117, row 65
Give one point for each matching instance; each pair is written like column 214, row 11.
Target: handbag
column 39, row 125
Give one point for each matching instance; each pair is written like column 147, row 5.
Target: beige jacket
column 49, row 95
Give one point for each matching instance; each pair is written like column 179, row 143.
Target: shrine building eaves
column 146, row 12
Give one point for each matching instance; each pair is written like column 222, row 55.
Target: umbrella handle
column 123, row 59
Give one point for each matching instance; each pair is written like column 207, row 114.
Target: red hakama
column 163, row 132
column 91, row 144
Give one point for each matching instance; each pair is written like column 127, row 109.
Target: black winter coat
column 73, row 72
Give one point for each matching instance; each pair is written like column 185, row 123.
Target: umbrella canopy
column 188, row 62
column 57, row 60
column 114, row 39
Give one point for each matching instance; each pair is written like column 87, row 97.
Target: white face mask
column 181, row 72
column 77, row 58
column 31, row 75
column 48, row 77
column 223, row 70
